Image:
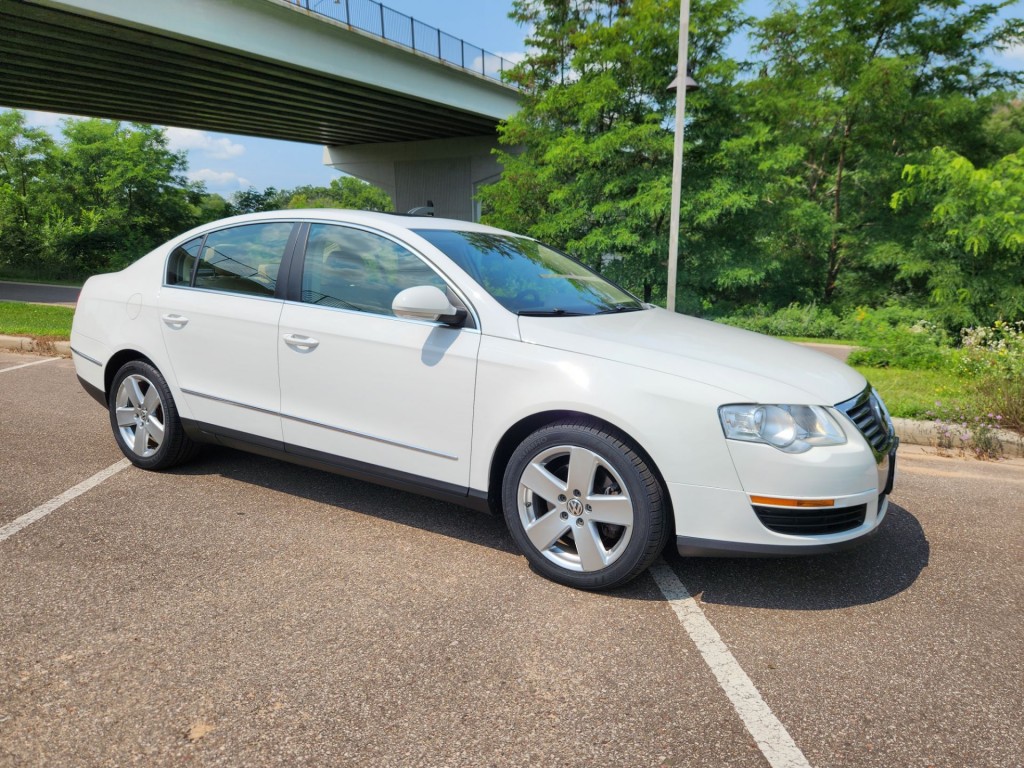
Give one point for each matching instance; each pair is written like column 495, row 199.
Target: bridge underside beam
column 65, row 62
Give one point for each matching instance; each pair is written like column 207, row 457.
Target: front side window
column 182, row 261
column 352, row 269
column 243, row 259
column 529, row 278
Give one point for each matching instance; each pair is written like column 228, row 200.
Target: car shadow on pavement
column 879, row 568
column 364, row 498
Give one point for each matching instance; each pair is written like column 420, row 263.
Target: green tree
column 968, row 247
column 253, row 200
column 211, row 207
column 1005, row 128
column 847, row 93
column 343, row 192
column 118, row 192
column 588, row 159
column 25, row 164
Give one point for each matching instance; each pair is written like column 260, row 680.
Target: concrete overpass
column 418, row 125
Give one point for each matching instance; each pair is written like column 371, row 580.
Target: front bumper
column 692, row 547
column 717, row 522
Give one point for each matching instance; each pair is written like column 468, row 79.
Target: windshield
column 529, row 278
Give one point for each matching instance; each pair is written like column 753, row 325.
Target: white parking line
column 59, row 501
column 771, row 736
column 26, row 365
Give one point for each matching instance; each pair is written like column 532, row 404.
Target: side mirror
column 427, row 302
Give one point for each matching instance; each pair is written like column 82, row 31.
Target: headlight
column 790, row 428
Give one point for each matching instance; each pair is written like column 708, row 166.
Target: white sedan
column 475, row 365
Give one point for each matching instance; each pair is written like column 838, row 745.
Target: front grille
column 867, row 413
column 810, row 522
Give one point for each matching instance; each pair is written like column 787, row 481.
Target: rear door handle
column 300, row 343
column 177, row 322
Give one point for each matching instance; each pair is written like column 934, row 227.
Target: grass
column 37, row 320
column 912, row 394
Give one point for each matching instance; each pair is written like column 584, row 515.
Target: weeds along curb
column 37, row 346
column 910, row 431
column 926, row 433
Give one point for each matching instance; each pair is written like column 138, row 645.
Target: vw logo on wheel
column 575, row 507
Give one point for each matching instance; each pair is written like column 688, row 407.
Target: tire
column 145, row 419
column 583, row 506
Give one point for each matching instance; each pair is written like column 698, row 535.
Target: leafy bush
column 897, row 337
column 993, row 358
column 809, row 321
column 861, row 323
column 993, row 351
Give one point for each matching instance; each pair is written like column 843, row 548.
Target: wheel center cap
column 575, row 507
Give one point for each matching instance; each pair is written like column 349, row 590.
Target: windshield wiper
column 556, row 312
column 620, row 308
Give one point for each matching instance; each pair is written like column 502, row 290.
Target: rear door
column 220, row 309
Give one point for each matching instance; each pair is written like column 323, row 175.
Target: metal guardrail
column 395, row 27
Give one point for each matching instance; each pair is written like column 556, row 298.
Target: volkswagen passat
column 472, row 364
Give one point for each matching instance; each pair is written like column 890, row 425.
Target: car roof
column 369, row 218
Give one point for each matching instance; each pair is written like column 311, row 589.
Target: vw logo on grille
column 575, row 507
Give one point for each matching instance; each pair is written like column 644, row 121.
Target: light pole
column 688, row 83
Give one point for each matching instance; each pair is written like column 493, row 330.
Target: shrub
column 993, row 359
column 809, row 321
column 897, row 338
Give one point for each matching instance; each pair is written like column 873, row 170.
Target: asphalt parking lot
column 241, row 611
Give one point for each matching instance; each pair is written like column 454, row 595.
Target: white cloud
column 200, row 141
column 219, row 180
column 1014, row 52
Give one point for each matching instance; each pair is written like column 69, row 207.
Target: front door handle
column 300, row 343
column 177, row 322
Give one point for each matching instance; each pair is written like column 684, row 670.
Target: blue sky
column 228, row 163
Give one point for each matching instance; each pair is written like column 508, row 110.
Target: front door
column 360, row 383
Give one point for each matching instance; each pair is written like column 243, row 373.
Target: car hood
column 749, row 366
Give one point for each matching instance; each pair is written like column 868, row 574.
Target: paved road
column 281, row 616
column 38, row 294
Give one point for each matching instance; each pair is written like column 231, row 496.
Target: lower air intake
column 811, row 522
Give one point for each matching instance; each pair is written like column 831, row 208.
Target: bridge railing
column 396, row 27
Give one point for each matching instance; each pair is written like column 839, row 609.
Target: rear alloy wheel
column 145, row 420
column 584, row 506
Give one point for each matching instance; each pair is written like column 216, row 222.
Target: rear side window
column 243, row 259
column 182, row 261
column 353, row 269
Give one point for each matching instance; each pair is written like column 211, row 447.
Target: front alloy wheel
column 584, row 506
column 573, row 507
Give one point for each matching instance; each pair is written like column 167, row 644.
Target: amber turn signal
column 771, row 501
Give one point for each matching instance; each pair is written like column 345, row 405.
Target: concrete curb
column 36, row 346
column 927, row 433
column 911, row 432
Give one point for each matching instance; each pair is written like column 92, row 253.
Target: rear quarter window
column 182, row 261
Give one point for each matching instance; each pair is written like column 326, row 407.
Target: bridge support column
column 446, row 171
